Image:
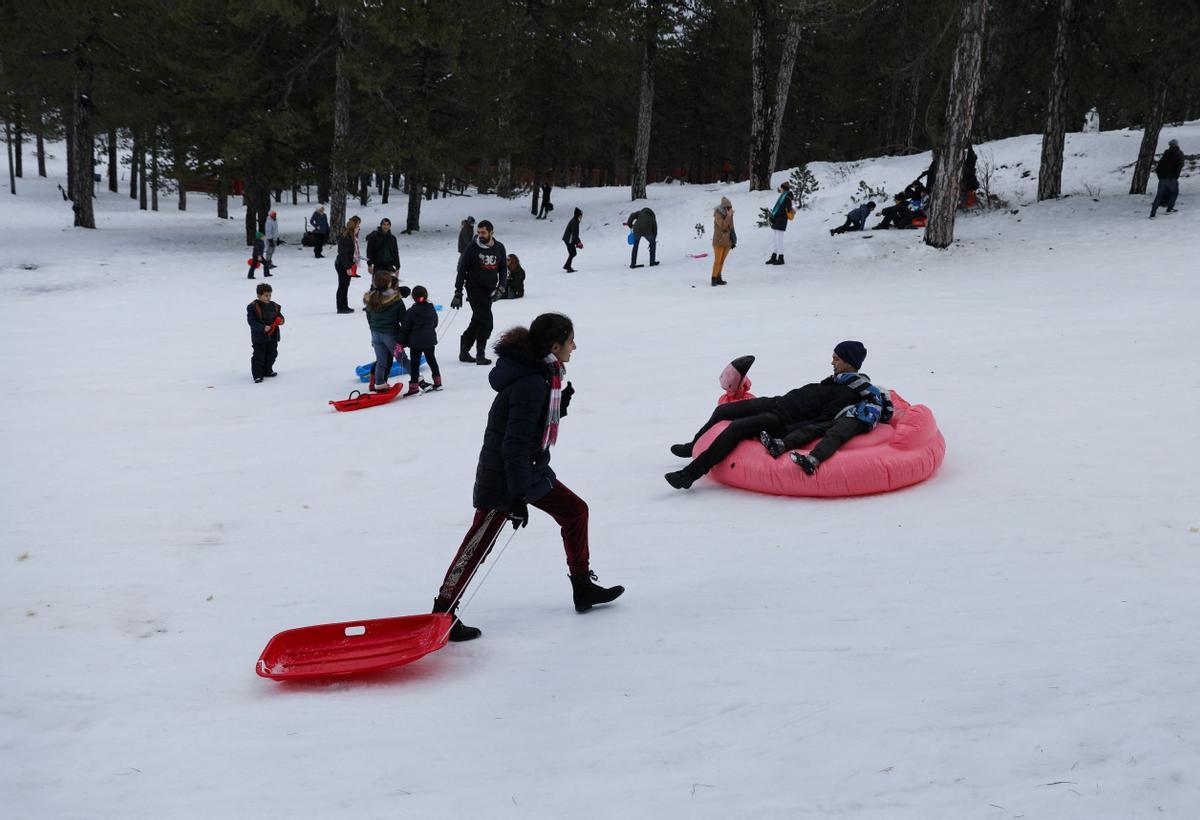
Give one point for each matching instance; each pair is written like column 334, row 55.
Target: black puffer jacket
column 382, row 250
column 1170, row 164
column 419, row 328
column 512, row 463
column 815, row 402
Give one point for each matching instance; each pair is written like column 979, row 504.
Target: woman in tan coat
column 724, row 238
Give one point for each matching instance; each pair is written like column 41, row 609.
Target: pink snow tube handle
column 905, row 451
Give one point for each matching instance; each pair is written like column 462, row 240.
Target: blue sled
column 364, row 370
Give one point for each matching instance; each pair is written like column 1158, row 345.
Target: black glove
column 567, row 392
column 456, row 302
column 519, row 514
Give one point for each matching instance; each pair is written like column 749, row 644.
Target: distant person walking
column 466, row 233
column 545, row 208
column 347, row 262
column 781, row 214
column 571, row 240
column 644, row 225
column 1170, row 165
column 256, row 256
column 320, row 229
column 482, row 268
column 272, row 236
column 724, row 238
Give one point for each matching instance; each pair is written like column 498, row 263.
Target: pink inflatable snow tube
column 905, row 451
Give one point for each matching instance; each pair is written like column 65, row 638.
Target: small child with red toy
column 264, row 318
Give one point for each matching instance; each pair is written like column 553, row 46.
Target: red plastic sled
column 353, row 647
column 361, row 400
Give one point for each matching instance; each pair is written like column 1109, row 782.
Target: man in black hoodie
column 383, row 254
column 571, row 239
column 482, row 268
column 1170, row 165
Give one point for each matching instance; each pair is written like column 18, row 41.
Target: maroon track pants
column 568, row 509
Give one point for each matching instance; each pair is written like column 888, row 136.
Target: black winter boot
column 771, row 261
column 775, row 446
column 681, row 479
column 779, row 261
column 588, row 593
column 479, row 357
column 682, row 450
column 464, row 352
column 459, row 631
column 806, row 463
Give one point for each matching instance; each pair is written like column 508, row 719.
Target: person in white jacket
column 272, row 236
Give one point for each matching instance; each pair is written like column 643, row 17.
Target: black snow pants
column 747, row 419
column 833, row 434
column 480, row 328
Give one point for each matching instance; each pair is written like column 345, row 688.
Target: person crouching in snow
column 418, row 332
column 384, row 306
column 855, row 220
column 874, row 406
column 514, row 464
column 264, row 318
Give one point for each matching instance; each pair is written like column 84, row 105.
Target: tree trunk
column 112, row 160
column 1054, row 134
column 69, row 128
column 222, row 196
column 364, row 189
column 537, row 193
column 154, row 170
column 641, row 146
column 143, row 201
column 415, row 190
column 83, row 147
column 18, row 138
column 960, row 117
column 179, row 167
column 914, row 99
column 760, row 108
column 133, row 164
column 1141, row 170
column 41, row 145
column 783, row 84
column 341, row 126
column 504, row 171
column 12, row 177
column 385, row 186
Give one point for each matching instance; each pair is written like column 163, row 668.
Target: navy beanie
column 851, row 352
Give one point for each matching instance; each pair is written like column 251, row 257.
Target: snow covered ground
column 1014, row 638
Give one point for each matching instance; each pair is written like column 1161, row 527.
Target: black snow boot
column 459, row 631
column 682, row 450
column 779, row 261
column 464, row 352
column 479, row 357
column 682, row 479
column 588, row 593
column 806, row 463
column 775, row 446
column 771, row 261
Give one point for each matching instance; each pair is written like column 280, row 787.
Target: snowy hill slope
column 1013, row 638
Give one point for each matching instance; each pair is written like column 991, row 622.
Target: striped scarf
column 554, row 412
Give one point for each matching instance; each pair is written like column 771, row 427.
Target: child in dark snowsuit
column 256, row 258
column 264, row 318
column 418, row 332
column 855, row 220
column 898, row 215
column 384, row 306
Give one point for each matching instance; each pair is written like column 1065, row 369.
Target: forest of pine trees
column 375, row 99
